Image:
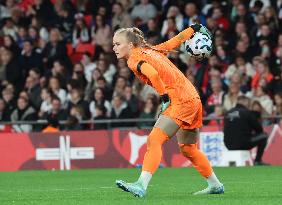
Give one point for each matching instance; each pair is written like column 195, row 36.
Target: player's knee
column 188, row 150
column 156, row 138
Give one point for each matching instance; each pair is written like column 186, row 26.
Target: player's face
column 121, row 46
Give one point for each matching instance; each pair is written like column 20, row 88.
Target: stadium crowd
column 56, row 58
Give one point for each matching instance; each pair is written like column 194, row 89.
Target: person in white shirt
column 61, row 93
column 88, row 66
column 99, row 99
column 143, row 11
column 46, row 105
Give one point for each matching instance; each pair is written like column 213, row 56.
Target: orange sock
column 198, row 159
column 153, row 155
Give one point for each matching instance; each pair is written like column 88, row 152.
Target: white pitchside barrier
column 212, row 144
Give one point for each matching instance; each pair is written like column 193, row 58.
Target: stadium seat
column 69, row 49
column 85, row 47
column 88, row 20
column 237, row 158
column 75, row 57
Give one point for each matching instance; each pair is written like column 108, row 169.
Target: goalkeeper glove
column 165, row 102
column 202, row 29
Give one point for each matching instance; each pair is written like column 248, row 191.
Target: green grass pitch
column 173, row 186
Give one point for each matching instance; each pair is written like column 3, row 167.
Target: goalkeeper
column 181, row 108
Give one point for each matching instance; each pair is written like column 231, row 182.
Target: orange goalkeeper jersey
column 178, row 87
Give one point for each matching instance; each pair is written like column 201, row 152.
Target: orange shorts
column 188, row 115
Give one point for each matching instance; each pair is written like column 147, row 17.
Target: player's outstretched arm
column 176, row 41
column 181, row 37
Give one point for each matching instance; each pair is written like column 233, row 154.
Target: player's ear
column 130, row 44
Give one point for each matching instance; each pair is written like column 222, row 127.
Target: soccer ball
column 199, row 46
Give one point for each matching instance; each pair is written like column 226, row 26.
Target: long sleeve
column 151, row 73
column 176, row 41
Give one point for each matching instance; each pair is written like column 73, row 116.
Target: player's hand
column 202, row 29
column 165, row 103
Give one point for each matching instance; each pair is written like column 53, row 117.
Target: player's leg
column 187, row 140
column 259, row 141
column 163, row 130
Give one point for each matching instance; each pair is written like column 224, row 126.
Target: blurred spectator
column 102, row 83
column 100, row 111
column 89, row 66
column 78, row 101
column 11, row 45
column 142, row 12
column 153, row 32
column 265, row 3
column 99, row 100
column 101, row 32
column 29, row 58
column 33, row 34
column 80, row 34
column 65, row 20
column 36, row 23
column 216, row 96
column 23, row 112
column 11, row 69
column 121, row 18
column 216, row 117
column 221, row 20
column 123, row 71
column 5, row 10
column 59, row 71
column 54, row 85
column 173, row 22
column 240, row 65
column 262, row 72
column 34, row 90
column 192, row 16
column 44, row 9
column 4, row 116
column 149, row 112
column 10, row 29
column 277, row 110
column 131, row 100
column 243, row 14
column 215, row 74
column 168, row 28
column 271, row 18
column 78, row 112
column 223, row 55
column 119, row 86
column 95, row 75
column 275, row 85
column 46, row 101
column 127, row 4
column 120, row 110
column 10, row 100
column 72, row 123
column 56, row 111
column 21, row 36
column 55, row 49
column 260, row 94
column 78, row 75
column 230, row 98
